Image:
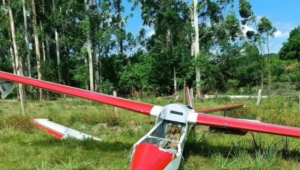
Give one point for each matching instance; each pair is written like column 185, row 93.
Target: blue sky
column 284, row 14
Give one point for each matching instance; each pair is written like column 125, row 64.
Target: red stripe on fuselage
column 150, row 157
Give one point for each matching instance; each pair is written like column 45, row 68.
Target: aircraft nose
column 150, row 157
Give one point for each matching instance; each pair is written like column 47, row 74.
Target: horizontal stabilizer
column 224, row 108
column 61, row 132
column 5, row 88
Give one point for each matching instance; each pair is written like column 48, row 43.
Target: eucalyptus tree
column 252, row 35
column 18, row 60
column 37, row 44
column 118, row 23
column 171, row 22
column 266, row 28
column 87, row 32
column 195, row 46
column 26, row 37
column 56, row 23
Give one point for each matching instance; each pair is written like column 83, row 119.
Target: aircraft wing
column 242, row 124
column 60, row 131
column 143, row 108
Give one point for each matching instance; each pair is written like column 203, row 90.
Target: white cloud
column 280, row 34
column 284, row 26
column 149, row 31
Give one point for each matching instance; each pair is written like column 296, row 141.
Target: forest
column 201, row 44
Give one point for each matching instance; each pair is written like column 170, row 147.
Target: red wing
column 143, row 108
column 221, row 108
column 248, row 125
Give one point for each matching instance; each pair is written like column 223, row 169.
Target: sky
column 284, row 15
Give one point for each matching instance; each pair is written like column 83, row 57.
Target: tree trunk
column 89, row 49
column 57, row 49
column 175, row 81
column 17, row 59
column 86, row 63
column 99, row 67
column 120, row 26
column 43, row 49
column 26, row 38
column 47, row 48
column 13, row 59
column 91, row 72
column 196, row 49
column 269, row 65
column 57, row 55
column 43, row 44
column 37, row 45
column 97, row 71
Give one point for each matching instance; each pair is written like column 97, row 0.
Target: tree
column 266, row 28
column 291, row 49
column 171, row 42
column 26, row 38
column 89, row 45
column 37, row 46
column 18, row 60
column 196, row 46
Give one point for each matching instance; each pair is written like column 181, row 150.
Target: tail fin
column 5, row 88
column 61, row 132
column 189, row 97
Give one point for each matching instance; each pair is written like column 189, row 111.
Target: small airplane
column 162, row 147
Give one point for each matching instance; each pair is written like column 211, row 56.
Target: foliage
column 291, row 49
column 229, row 58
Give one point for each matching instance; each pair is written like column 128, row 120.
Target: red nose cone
column 150, row 157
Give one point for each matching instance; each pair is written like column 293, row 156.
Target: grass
column 22, row 146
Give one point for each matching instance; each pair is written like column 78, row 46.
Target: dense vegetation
column 85, row 44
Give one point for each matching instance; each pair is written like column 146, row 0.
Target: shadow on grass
column 86, row 145
column 203, row 148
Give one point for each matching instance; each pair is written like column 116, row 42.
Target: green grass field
column 22, row 146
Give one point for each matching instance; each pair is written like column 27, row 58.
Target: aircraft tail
column 61, row 132
column 5, row 88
